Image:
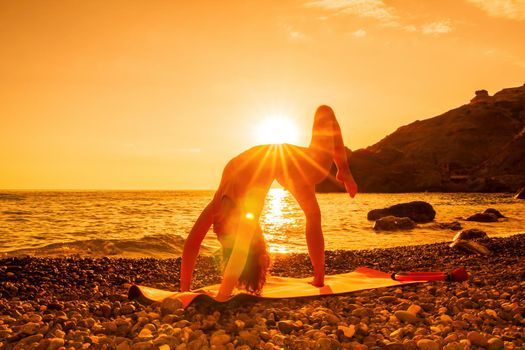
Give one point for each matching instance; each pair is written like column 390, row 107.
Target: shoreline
column 156, row 224
column 65, row 250
column 47, row 303
column 206, row 252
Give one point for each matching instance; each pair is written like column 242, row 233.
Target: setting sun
column 276, row 129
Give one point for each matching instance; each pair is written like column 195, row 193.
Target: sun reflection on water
column 277, row 219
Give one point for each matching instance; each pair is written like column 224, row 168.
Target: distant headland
column 477, row 147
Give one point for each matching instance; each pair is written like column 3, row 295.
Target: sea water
column 155, row 223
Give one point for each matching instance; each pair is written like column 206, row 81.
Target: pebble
column 170, row 306
column 109, row 327
column 105, row 310
column 219, row 338
column 34, row 318
column 405, row 316
column 327, row 344
column 286, row 327
column 30, row 328
column 495, row 344
column 348, row 332
column 30, row 340
column 145, row 334
column 398, row 333
column 59, row 333
column 388, row 299
column 127, row 309
column 123, row 346
column 249, row 338
column 240, row 324
column 451, row 338
column 455, row 346
column 427, row 344
column 446, row 319
column 414, row 309
column 144, row 345
column 55, row 343
column 477, row 339
column 394, row 346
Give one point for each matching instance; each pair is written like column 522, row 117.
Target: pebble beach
column 81, row 303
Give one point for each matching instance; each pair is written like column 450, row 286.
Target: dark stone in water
column 418, row 211
column 393, row 223
column 495, row 212
column 473, row 233
column 454, row 225
column 483, row 217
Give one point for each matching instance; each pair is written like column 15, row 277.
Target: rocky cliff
column 479, row 146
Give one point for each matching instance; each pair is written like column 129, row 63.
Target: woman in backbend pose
column 236, row 207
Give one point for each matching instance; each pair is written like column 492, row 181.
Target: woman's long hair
column 253, row 277
column 257, row 264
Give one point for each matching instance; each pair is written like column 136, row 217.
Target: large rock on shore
column 418, row 211
column 393, row 223
column 470, row 247
column 477, row 147
column 464, row 241
column 470, row 234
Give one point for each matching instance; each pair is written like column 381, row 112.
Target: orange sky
column 160, row 94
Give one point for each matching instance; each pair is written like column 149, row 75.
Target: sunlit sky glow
column 276, row 129
column 159, row 95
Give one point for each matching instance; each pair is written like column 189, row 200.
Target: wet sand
column 81, row 303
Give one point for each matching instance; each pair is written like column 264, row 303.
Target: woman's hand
column 192, row 245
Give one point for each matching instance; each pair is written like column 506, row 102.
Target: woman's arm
column 192, row 246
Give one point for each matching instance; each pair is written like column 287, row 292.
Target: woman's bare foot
column 348, row 181
column 318, row 281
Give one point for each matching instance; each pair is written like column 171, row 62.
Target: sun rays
column 295, row 168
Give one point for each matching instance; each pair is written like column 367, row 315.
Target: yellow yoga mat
column 278, row 287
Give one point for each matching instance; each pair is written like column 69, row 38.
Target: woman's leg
column 327, row 137
column 305, row 196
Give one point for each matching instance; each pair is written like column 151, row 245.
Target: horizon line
column 105, row 189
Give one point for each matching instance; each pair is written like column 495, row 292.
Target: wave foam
column 156, row 246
